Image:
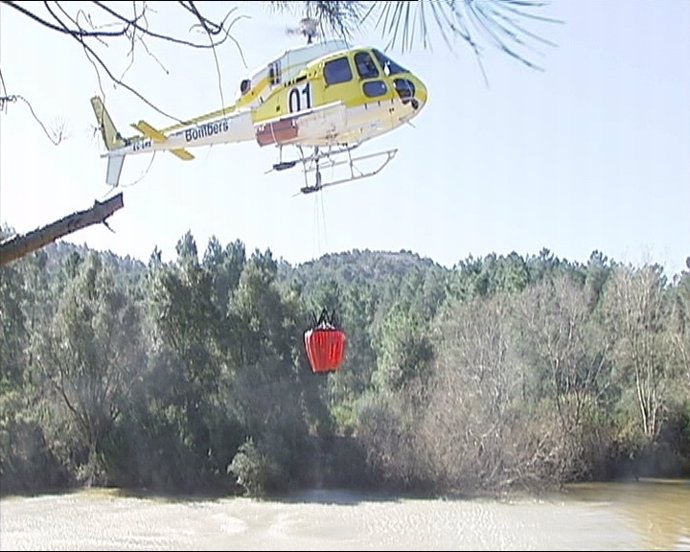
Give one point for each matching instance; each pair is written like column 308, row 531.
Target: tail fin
column 112, row 139
column 112, row 173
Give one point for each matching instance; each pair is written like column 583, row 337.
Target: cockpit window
column 365, row 66
column 405, row 89
column 388, row 65
column 337, row 71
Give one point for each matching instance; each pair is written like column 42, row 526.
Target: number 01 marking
column 298, row 96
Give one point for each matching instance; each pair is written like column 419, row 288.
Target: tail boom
column 235, row 127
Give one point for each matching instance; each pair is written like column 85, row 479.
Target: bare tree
column 638, row 314
column 569, row 358
column 468, row 426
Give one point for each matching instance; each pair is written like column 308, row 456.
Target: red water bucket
column 325, row 349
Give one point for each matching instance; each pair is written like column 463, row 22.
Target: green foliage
column 256, row 472
column 225, row 266
column 490, row 275
column 27, row 462
column 13, row 335
column 502, row 372
column 92, row 352
column 402, row 347
column 387, row 431
column 597, row 274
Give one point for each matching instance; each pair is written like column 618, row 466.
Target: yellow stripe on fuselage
column 244, row 101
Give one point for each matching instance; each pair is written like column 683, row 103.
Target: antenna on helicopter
column 307, row 27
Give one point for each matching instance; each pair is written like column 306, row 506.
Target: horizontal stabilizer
column 150, row 132
column 157, row 136
column 182, row 154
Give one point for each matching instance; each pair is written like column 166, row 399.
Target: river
column 646, row 515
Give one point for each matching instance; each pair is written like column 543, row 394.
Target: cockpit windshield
column 388, row 65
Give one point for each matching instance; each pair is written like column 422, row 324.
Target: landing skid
column 313, row 158
column 313, row 164
column 355, row 173
column 284, row 165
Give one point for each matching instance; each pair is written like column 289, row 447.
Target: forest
column 502, row 373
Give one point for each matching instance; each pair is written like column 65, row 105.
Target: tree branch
column 20, row 246
column 62, row 29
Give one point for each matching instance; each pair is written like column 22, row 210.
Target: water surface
column 646, row 515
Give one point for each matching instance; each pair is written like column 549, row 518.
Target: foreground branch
column 23, row 245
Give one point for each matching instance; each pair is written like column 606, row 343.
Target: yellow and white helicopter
column 326, row 96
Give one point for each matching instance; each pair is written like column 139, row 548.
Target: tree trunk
column 19, row 246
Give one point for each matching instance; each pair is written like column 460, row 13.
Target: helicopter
column 325, row 99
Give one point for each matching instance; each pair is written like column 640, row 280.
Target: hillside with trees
column 503, row 372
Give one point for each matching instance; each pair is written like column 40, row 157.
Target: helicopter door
column 339, row 81
column 372, row 85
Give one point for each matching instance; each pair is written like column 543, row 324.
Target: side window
column 274, row 73
column 337, row 71
column 365, row 66
column 375, row 88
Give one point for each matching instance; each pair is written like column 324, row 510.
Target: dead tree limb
column 19, row 245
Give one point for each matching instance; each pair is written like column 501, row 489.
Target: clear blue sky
column 593, row 153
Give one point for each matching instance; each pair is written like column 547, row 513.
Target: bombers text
column 205, row 130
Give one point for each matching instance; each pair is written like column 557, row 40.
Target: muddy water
column 617, row 516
